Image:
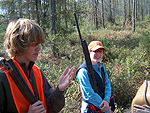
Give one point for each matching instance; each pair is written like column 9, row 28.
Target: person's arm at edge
column 55, row 99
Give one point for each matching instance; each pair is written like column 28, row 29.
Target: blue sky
column 2, row 11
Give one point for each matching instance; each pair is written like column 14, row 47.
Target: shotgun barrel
column 88, row 60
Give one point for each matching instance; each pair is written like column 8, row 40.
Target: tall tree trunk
column 124, row 10
column 145, row 8
column 59, row 9
column 43, row 19
column 136, row 9
column 103, row 23
column 142, row 9
column 110, row 12
column 133, row 29
column 53, row 16
column 66, row 22
column 52, row 6
column 96, row 13
column 93, row 15
column 117, row 4
column 37, row 11
column 149, row 8
column 129, row 11
column 89, row 12
column 114, row 8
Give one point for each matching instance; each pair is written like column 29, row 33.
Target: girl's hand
column 105, row 105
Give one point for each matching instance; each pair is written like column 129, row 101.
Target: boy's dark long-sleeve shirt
column 54, row 98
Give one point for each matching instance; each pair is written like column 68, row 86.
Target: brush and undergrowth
column 127, row 60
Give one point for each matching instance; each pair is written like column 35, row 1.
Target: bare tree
column 138, row 9
column 93, row 14
column 96, row 13
column 129, row 11
column 114, row 8
column 133, row 17
column 110, row 12
column 103, row 23
column 52, row 6
column 53, row 19
column 124, row 10
column 66, row 22
column 37, row 11
column 89, row 12
column 149, row 7
column 142, row 9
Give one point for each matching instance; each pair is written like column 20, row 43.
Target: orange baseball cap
column 94, row 45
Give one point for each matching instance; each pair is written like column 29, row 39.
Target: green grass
column 126, row 60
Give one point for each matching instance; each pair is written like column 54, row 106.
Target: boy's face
column 96, row 55
column 30, row 54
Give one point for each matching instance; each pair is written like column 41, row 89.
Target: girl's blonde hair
column 20, row 34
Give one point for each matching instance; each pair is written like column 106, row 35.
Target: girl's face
column 30, row 54
column 96, row 55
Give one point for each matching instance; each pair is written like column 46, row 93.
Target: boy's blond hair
column 20, row 34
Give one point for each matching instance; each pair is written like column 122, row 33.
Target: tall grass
column 126, row 60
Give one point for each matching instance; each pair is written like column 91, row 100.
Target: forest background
column 123, row 26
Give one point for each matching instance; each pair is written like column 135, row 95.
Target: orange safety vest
column 21, row 102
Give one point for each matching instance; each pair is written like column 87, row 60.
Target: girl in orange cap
column 91, row 101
